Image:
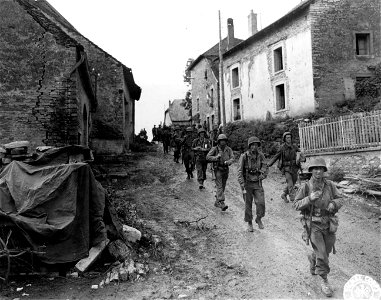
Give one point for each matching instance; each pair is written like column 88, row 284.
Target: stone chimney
column 230, row 32
column 253, row 27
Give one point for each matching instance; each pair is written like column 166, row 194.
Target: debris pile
column 15, row 151
column 124, row 271
column 361, row 185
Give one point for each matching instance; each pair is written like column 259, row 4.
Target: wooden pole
column 221, row 76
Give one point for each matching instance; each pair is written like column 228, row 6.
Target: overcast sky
column 156, row 37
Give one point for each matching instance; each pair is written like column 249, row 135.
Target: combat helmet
column 222, row 137
column 317, row 162
column 201, row 130
column 189, row 129
column 252, row 140
column 286, row 134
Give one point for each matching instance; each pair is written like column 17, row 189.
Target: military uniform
column 201, row 147
column 289, row 166
column 252, row 169
column 187, row 153
column 176, row 144
column 320, row 220
column 221, row 169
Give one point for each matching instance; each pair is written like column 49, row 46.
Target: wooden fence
column 350, row 132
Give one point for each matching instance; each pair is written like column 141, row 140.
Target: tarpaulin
column 57, row 206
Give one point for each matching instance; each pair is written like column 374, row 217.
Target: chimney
column 230, row 32
column 253, row 27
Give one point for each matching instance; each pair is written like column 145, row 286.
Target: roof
column 177, row 111
column 300, row 8
column 213, row 53
column 133, row 88
column 51, row 20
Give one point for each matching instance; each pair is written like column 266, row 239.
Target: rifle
column 307, row 230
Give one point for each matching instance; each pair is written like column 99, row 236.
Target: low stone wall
column 356, row 163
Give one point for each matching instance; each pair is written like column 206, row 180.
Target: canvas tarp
column 57, row 206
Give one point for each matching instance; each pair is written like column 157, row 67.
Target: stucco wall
column 335, row 64
column 200, row 88
column 258, row 79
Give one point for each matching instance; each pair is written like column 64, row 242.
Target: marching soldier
column 319, row 201
column 222, row 157
column 289, row 158
column 252, row 169
column 187, row 152
column 176, row 143
column 201, row 146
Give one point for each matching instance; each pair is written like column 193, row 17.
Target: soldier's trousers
column 322, row 242
column 254, row 190
column 201, row 165
column 176, row 154
column 165, row 146
column 221, row 178
column 188, row 161
column 291, row 178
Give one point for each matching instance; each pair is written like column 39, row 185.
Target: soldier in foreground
column 222, row 157
column 201, row 147
column 187, row 152
column 319, row 201
column 252, row 169
column 288, row 164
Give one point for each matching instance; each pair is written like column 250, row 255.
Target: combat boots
column 250, row 227
column 326, row 287
column 312, row 261
column 259, row 222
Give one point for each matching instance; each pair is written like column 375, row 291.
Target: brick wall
column 37, row 96
column 202, row 85
column 335, row 64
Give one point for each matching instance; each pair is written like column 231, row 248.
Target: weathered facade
column 57, row 87
column 308, row 59
column 206, row 108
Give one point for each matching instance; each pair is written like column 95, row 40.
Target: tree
column 187, row 102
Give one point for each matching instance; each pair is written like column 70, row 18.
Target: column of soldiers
column 318, row 200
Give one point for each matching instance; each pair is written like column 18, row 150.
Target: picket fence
column 349, row 132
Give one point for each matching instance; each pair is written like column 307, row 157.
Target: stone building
column 205, row 82
column 176, row 114
column 308, row 59
column 59, row 88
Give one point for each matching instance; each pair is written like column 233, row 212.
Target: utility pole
column 221, row 77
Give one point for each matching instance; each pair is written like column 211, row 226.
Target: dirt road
column 215, row 258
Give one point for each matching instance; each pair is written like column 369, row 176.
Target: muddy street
column 211, row 255
column 205, row 253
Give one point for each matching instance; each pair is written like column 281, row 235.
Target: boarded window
column 278, row 59
column 235, row 78
column 236, row 109
column 362, row 44
column 280, row 97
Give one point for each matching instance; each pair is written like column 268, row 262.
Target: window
column 362, row 43
column 207, row 123
column 206, row 74
column 211, row 125
column 278, row 59
column 198, row 104
column 280, row 97
column 236, row 110
column 235, row 78
column 211, row 97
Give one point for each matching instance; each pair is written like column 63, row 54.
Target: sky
column 155, row 38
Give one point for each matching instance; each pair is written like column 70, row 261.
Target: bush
column 336, row 174
column 269, row 132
